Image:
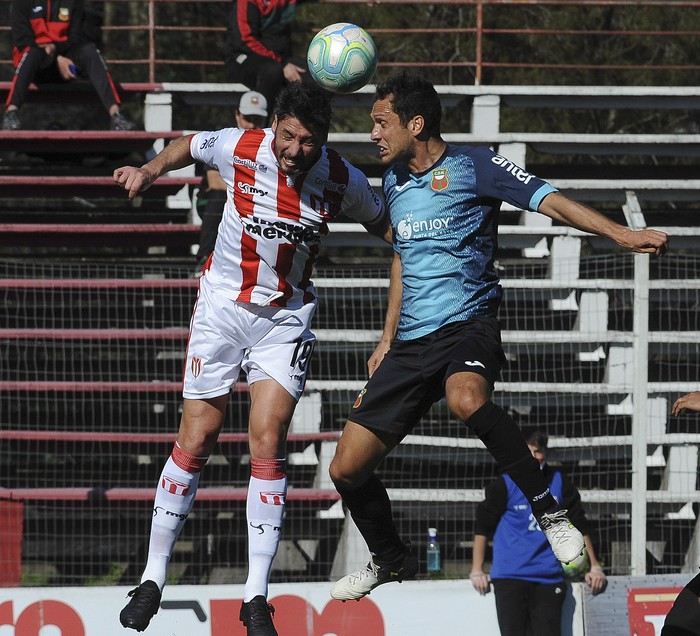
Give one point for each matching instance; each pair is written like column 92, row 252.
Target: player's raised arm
column 575, row 214
column 175, row 155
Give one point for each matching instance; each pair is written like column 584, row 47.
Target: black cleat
column 143, row 606
column 257, row 615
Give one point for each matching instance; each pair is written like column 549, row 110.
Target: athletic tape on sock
column 187, row 461
column 268, row 469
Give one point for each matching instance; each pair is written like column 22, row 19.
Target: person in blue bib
column 528, row 581
column 441, row 335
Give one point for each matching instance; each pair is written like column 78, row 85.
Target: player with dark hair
column 253, row 312
column 441, row 337
column 528, row 581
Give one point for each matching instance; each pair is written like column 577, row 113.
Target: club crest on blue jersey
column 440, row 180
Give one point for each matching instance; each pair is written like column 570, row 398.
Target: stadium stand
column 96, row 297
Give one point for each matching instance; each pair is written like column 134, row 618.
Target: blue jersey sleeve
column 500, row 178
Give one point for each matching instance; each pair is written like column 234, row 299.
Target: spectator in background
column 259, row 52
column 528, row 581
column 52, row 45
column 250, row 114
column 684, row 617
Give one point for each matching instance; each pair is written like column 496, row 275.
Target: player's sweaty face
column 296, row 147
column 392, row 138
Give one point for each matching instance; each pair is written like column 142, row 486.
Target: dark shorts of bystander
column 412, row 376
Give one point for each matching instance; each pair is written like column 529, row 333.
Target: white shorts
column 265, row 342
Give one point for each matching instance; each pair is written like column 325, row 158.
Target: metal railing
column 612, row 42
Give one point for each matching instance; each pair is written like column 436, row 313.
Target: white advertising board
column 415, row 608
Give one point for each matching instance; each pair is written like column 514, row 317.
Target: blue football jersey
column 520, row 549
column 445, row 231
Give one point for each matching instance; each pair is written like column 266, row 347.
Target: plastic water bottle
column 432, row 552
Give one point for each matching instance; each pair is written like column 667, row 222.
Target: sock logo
column 273, row 498
column 174, row 487
column 169, row 513
column 261, row 527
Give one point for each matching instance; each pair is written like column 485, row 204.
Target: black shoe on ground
column 144, row 603
column 119, row 122
column 257, row 615
column 11, row 120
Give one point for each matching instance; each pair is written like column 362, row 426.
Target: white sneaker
column 358, row 584
column 565, row 539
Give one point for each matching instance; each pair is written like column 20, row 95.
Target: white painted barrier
column 414, row 608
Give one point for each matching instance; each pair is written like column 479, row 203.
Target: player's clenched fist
column 133, row 180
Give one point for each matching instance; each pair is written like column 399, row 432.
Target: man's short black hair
column 307, row 102
column 537, row 436
column 412, row 95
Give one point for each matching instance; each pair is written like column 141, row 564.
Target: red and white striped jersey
column 272, row 224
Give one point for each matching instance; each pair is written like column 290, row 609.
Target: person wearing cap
column 251, row 114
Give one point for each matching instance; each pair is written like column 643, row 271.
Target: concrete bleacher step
column 81, row 142
column 92, row 186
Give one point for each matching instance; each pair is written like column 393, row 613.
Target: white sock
column 173, row 501
column 264, row 513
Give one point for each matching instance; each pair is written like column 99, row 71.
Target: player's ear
column 273, row 125
column 416, row 125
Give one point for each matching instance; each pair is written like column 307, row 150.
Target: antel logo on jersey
column 332, row 185
column 249, row 189
column 509, row 166
column 409, row 228
column 249, row 163
column 173, row 486
column 273, row 498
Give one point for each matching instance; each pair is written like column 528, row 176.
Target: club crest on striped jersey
column 440, row 180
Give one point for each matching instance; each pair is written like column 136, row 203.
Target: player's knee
column 342, row 479
column 464, row 405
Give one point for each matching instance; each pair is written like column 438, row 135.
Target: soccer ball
column 342, row 57
column 575, row 570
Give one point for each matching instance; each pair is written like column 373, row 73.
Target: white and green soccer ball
column 576, row 569
column 342, row 58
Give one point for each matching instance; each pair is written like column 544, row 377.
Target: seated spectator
column 51, row 45
column 259, row 52
column 251, row 113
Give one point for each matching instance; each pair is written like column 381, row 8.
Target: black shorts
column 412, row 375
